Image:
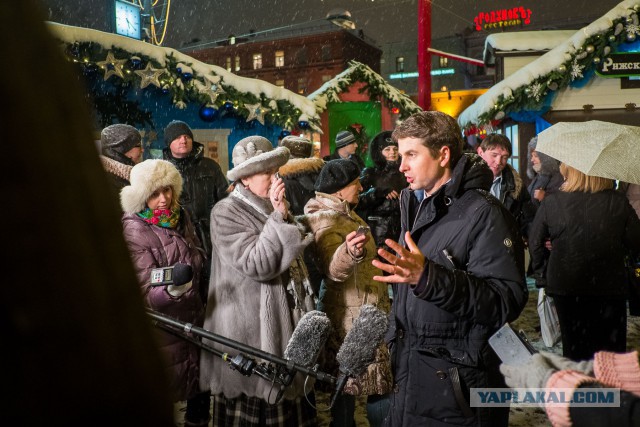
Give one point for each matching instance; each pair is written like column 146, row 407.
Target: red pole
column 424, row 57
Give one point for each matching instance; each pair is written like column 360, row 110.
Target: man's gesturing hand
column 404, row 267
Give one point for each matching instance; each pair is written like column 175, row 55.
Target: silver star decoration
column 112, row 66
column 215, row 88
column 256, row 111
column 632, row 29
column 576, row 70
column 149, row 76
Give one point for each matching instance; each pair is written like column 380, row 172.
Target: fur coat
column 347, row 285
column 253, row 250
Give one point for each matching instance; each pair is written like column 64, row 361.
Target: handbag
column 549, row 322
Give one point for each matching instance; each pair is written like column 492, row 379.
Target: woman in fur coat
column 159, row 233
column 258, row 289
column 345, row 260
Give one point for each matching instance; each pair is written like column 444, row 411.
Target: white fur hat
column 255, row 154
column 146, row 177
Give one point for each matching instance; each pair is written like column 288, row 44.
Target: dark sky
column 386, row 21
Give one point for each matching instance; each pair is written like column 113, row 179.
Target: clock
column 127, row 17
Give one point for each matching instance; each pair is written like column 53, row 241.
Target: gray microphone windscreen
column 358, row 349
column 308, row 339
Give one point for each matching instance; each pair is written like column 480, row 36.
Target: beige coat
column 347, row 284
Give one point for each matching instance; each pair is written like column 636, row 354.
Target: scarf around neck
column 161, row 217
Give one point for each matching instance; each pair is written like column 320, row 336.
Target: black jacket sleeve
column 628, row 414
column 538, row 235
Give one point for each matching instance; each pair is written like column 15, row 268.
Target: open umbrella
column 596, row 148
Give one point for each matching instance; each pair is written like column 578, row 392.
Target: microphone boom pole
column 190, row 328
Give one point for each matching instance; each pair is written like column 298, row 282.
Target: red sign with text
column 502, row 18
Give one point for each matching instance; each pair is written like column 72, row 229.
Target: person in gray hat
column 120, row 150
column 346, row 147
column 204, row 182
column 258, row 289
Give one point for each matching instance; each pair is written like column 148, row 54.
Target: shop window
column 257, row 61
column 302, row 85
column 228, row 64
column 444, row 62
column 326, row 53
column 237, row 63
column 280, row 58
column 280, row 83
column 511, row 132
column 400, row 63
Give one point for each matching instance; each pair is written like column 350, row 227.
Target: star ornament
column 112, row 66
column 149, row 76
column 214, row 89
column 257, row 112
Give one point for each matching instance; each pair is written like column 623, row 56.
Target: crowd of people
column 448, row 231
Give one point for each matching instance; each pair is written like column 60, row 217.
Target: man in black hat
column 346, row 147
column 204, row 184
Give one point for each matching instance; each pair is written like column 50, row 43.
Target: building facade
column 299, row 61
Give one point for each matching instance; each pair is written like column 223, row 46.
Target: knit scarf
column 161, row 217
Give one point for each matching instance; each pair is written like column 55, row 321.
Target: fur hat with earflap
column 146, row 177
column 255, row 154
column 379, row 143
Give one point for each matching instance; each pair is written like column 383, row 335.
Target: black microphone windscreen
column 308, row 339
column 182, row 273
column 358, row 349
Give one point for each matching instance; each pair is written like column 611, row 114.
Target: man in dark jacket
column 204, row 184
column 120, row 150
column 346, row 148
column 507, row 185
column 457, row 274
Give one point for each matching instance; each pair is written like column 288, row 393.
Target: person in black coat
column 204, row 183
column 457, row 274
column 544, row 173
column 300, row 172
column 379, row 203
column 120, row 150
column 592, row 228
column 346, row 148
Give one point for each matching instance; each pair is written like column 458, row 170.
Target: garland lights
column 578, row 67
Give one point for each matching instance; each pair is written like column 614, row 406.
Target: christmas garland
column 578, row 67
column 179, row 81
column 376, row 87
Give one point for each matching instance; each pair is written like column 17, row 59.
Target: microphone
column 308, row 339
column 358, row 350
column 176, row 275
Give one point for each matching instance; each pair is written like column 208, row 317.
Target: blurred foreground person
column 159, row 234
column 457, row 274
column 78, row 345
column 548, row 370
column 592, row 228
column 258, row 291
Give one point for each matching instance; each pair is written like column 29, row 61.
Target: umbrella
column 595, row 148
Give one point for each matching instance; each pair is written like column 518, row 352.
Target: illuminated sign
column 620, row 65
column 438, row 72
column 502, row 18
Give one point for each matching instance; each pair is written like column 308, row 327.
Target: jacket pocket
column 444, row 388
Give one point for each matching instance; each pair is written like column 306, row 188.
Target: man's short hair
column 436, row 130
column 496, row 140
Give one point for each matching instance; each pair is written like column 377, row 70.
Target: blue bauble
column 284, row 133
column 303, row 124
column 208, row 114
column 187, row 76
column 228, row 106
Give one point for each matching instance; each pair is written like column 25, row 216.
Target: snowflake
column 632, row 29
column 576, row 70
column 536, row 90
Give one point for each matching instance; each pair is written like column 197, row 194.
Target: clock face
column 127, row 19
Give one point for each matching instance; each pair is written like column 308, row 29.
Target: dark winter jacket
column 299, row 176
column 204, row 185
column 152, row 246
column 354, row 157
column 590, row 235
column 473, row 282
column 380, row 213
column 515, row 197
column 548, row 178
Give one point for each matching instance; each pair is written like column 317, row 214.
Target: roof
column 523, row 41
column 207, row 82
column 528, row 88
column 375, row 85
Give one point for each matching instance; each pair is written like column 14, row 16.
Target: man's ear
column 445, row 156
column 479, row 150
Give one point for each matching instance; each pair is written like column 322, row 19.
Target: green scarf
column 161, row 217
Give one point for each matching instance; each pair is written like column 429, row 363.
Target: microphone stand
column 243, row 364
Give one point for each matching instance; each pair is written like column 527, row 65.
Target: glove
column 177, row 291
column 533, row 374
column 562, row 363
